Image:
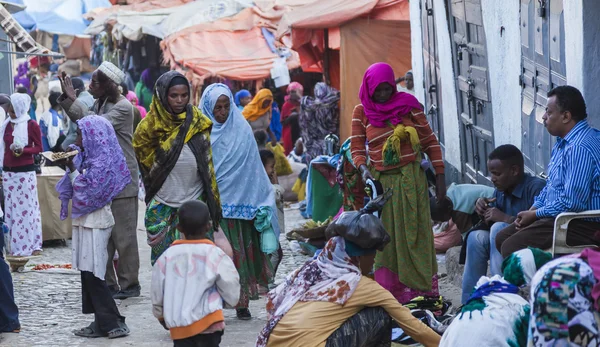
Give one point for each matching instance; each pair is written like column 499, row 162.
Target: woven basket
column 314, row 233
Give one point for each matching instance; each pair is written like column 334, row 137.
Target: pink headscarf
column 398, row 105
column 294, row 86
column 132, row 96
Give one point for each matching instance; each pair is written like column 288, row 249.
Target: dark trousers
column 371, row 327
column 123, row 239
column 200, row 340
column 9, row 313
column 96, row 299
column 540, row 234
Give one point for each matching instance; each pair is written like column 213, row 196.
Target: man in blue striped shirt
column 574, row 179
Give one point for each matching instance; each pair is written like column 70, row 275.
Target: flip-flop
column 121, row 331
column 88, row 331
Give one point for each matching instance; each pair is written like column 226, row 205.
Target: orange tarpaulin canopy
column 239, row 55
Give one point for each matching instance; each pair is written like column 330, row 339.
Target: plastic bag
column 362, row 227
column 282, row 166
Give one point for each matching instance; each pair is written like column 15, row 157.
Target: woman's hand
column 440, row 187
column 67, row 86
column 365, row 173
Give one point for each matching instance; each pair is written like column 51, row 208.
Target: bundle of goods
column 311, row 236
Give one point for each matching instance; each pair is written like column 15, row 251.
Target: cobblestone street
column 50, row 303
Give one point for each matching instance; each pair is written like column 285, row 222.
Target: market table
column 52, row 227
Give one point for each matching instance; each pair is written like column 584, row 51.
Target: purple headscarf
column 147, row 79
column 103, row 172
column 391, row 111
column 21, row 79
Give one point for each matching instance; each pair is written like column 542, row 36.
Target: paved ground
column 50, row 303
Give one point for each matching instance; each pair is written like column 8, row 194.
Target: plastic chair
column 561, row 224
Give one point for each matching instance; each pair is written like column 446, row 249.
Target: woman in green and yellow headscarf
column 172, row 145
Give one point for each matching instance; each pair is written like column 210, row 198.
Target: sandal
column 243, row 314
column 121, row 331
column 89, row 331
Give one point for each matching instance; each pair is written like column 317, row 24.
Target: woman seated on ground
column 495, row 314
column 565, row 302
column 329, row 302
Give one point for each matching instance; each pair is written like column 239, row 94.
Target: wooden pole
column 326, row 57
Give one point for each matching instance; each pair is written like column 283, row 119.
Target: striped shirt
column 363, row 131
column 574, row 174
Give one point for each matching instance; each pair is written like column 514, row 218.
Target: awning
column 162, row 19
column 56, row 16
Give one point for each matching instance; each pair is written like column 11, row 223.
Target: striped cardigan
column 363, row 131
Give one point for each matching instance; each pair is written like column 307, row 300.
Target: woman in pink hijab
column 289, row 116
column 132, row 97
column 398, row 134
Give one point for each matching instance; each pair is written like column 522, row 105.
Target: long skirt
column 371, row 327
column 161, row 227
column 254, row 267
column 562, row 306
column 90, row 250
column 407, row 267
column 22, row 212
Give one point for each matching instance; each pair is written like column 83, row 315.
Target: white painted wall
column 450, row 104
column 573, row 12
column 504, row 62
column 416, row 41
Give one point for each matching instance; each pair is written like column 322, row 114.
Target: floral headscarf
column 332, row 277
column 103, row 172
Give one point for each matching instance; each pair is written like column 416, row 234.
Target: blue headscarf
column 240, row 95
column 243, row 182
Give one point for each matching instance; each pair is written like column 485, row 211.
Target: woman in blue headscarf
column 242, row 98
column 247, row 196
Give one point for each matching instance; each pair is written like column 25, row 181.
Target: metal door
column 432, row 78
column 471, row 69
column 543, row 68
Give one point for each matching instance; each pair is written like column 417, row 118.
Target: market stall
column 52, row 227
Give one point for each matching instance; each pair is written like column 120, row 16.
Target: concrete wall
column 416, row 41
column 503, row 37
column 450, row 105
column 573, row 12
column 591, row 52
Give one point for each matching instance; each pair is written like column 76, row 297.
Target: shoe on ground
column 131, row 292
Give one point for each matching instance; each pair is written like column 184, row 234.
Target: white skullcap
column 113, row 72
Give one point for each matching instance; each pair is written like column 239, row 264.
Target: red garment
column 286, row 132
column 33, row 147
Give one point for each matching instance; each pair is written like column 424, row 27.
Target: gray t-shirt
column 183, row 183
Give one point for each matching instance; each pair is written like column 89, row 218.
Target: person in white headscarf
column 22, row 140
column 111, row 105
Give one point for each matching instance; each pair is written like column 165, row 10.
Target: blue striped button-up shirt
column 574, row 174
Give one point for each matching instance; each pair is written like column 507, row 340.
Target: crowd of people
column 213, row 200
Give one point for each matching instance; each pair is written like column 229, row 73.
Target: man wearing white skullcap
column 110, row 104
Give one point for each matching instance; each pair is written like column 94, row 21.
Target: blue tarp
column 56, row 16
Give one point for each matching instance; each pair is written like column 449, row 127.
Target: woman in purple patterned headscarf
column 93, row 179
column 319, row 117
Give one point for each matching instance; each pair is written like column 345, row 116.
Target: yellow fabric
column 309, row 324
column 159, row 130
column 401, row 134
column 282, row 165
column 254, row 110
column 300, row 189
